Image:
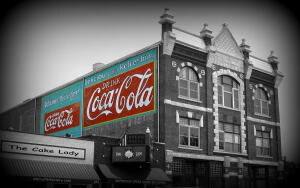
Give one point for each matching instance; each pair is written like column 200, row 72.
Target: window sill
column 189, row 99
column 190, row 148
column 231, row 153
column 262, row 115
column 234, row 109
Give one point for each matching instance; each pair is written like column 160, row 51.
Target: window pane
column 236, row 139
column 228, row 147
column 192, row 75
column 194, row 94
column 194, row 86
column 228, row 128
column 221, row 136
column 221, row 126
column 265, row 108
column 227, row 88
column 236, row 147
column 183, row 132
column 236, row 129
column 266, row 151
column 183, row 121
column 220, row 95
column 263, row 95
column 266, row 134
column 235, row 84
column 183, row 83
column 266, row 143
column 194, row 141
column 221, row 145
column 259, row 151
column 194, row 122
column 183, row 73
column 257, row 106
column 236, row 98
column 183, row 92
column 259, row 142
column 259, row 133
column 194, row 132
column 228, row 99
column 183, row 140
column 219, row 80
column 227, row 80
column 258, row 93
column 228, row 137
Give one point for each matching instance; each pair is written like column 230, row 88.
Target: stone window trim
column 216, row 107
column 263, row 136
column 234, row 93
column 268, row 100
column 198, row 73
column 189, row 116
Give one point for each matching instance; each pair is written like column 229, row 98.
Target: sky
column 45, row 44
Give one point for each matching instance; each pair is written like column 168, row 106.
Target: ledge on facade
column 230, row 153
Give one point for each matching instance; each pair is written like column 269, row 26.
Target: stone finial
column 273, row 60
column 205, row 31
column 167, row 17
column 225, row 25
column 206, row 34
column 272, row 57
column 245, row 48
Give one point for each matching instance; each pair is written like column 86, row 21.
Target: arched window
column 189, row 84
column 228, row 92
column 261, row 102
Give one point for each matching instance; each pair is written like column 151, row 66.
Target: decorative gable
column 224, row 42
column 225, row 52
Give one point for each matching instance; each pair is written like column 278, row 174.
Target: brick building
column 206, row 101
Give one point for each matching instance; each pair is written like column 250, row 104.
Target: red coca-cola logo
column 61, row 119
column 127, row 94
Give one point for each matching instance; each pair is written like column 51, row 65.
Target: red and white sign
column 63, row 118
column 127, row 94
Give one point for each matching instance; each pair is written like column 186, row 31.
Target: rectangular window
column 229, row 137
column 189, row 88
column 228, row 99
column 236, row 98
column 220, row 95
column 257, row 106
column 263, row 141
column 264, row 106
column 189, row 132
column 183, row 87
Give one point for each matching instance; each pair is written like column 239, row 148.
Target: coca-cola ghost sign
column 61, row 112
column 123, row 95
column 62, row 119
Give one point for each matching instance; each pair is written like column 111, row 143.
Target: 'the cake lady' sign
column 43, row 150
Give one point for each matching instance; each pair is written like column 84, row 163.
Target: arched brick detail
column 215, row 76
column 262, row 87
column 190, row 65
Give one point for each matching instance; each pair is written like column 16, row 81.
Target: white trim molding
column 256, row 120
column 189, row 106
column 215, row 76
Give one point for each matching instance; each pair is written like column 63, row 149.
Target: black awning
column 49, row 171
column 134, row 175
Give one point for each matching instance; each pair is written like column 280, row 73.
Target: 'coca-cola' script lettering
column 128, row 94
column 61, row 119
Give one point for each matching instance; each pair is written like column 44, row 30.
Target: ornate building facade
column 206, row 102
